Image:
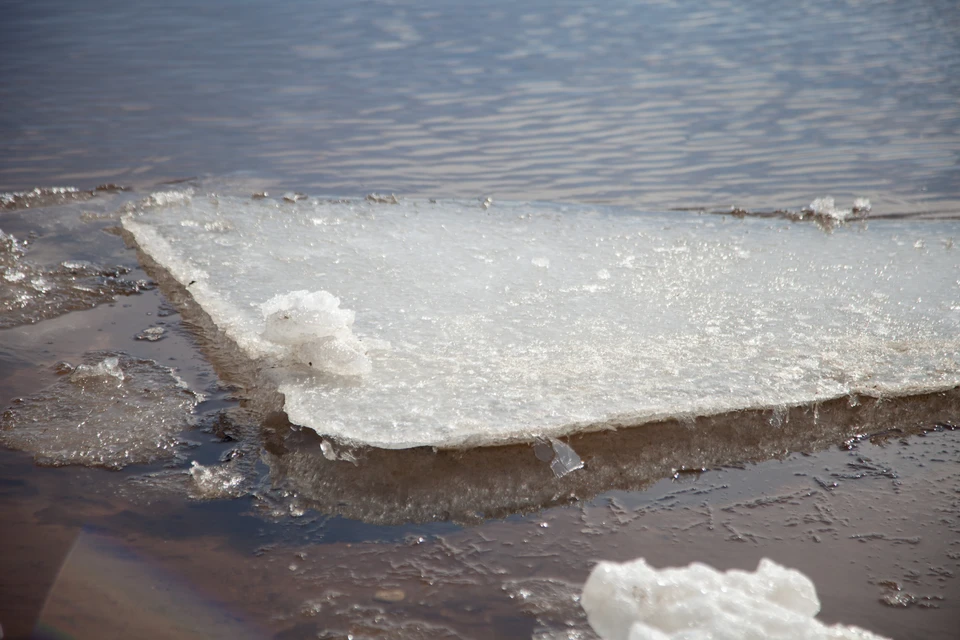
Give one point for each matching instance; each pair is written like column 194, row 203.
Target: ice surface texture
column 30, row 293
column 526, row 320
column 115, row 411
column 633, row 601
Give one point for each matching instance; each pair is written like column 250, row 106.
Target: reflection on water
column 653, row 104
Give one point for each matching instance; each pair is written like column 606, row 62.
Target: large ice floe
column 455, row 324
column 633, row 601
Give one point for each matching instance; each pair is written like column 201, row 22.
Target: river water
column 646, row 106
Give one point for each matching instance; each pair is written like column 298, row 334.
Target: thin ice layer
column 526, row 320
column 633, row 601
column 30, row 293
column 111, row 412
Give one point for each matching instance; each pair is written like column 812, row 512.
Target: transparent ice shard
column 216, row 482
column 30, row 292
column 700, row 315
column 561, row 456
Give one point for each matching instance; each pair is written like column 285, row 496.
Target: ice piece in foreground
column 633, row 601
column 639, row 317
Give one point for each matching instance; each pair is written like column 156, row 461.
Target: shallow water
column 649, row 106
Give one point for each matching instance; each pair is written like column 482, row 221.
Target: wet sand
column 470, row 545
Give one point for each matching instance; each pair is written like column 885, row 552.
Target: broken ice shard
column 113, row 411
column 561, row 456
column 528, row 320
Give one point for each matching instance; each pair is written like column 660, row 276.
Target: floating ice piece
column 633, row 601
column 826, row 208
column 113, row 412
column 561, row 456
column 326, row 447
column 30, row 293
column 701, row 315
column 216, row 482
column 152, row 334
column 107, row 370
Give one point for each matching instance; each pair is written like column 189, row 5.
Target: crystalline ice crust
column 637, row 317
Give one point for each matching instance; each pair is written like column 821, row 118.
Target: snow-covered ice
column 633, row 601
column 450, row 325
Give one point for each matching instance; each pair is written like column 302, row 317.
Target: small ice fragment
column 562, row 458
column 294, row 197
column 603, row 274
column 331, row 454
column 216, row 482
column 861, row 205
column 826, row 208
column 822, row 206
column 566, row 459
column 327, row 450
column 543, row 263
column 106, row 369
column 151, row 334
column 635, row 601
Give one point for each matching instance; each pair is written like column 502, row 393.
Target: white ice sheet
column 523, row 320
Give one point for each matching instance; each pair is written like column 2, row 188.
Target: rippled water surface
column 653, row 104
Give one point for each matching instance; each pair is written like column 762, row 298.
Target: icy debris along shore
column 633, row 601
column 113, row 411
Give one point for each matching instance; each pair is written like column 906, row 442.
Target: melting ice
column 30, row 293
column 110, row 412
column 633, row 601
column 450, row 324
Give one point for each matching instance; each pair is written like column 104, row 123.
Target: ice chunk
column 216, row 482
column 314, row 330
column 561, row 456
column 107, row 370
column 633, row 601
column 110, row 412
column 826, row 208
column 700, row 315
